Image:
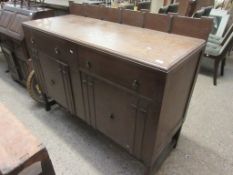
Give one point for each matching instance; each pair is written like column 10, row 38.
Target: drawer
column 142, row 80
column 53, row 46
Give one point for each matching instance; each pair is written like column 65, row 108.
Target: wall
column 155, row 5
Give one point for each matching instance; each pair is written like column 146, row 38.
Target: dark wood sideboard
column 132, row 84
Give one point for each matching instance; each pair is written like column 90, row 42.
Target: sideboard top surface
column 154, row 49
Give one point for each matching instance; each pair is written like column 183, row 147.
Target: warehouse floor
column 205, row 146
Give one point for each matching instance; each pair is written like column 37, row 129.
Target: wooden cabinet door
column 57, row 80
column 115, row 114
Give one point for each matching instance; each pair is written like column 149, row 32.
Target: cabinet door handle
column 32, row 41
column 56, row 50
column 52, row 82
column 88, row 65
column 135, row 84
column 112, row 116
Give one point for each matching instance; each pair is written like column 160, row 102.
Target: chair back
column 133, row 18
column 159, row 22
column 186, row 7
column 193, row 27
column 112, row 14
column 199, row 13
column 76, row 9
column 227, row 45
column 93, row 11
column 173, row 8
column 228, row 33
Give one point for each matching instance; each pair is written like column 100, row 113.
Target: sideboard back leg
column 176, row 137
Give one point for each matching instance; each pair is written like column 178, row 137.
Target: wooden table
column 20, row 151
column 132, row 84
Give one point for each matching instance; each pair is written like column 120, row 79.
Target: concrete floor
column 205, row 146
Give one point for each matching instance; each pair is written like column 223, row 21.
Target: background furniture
column 218, row 53
column 12, row 37
column 133, row 18
column 159, row 22
column 198, row 28
column 20, row 150
column 186, row 7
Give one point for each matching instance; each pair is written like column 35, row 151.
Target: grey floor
column 205, row 146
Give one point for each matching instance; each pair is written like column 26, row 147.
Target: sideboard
column 131, row 84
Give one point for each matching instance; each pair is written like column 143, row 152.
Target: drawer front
column 130, row 75
column 53, row 46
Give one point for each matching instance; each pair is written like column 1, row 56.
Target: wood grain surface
column 17, row 144
column 151, row 48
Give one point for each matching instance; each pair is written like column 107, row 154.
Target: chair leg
column 216, row 65
column 223, row 66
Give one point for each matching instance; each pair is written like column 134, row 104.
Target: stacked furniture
column 217, row 49
column 187, row 7
column 131, row 83
column 12, row 37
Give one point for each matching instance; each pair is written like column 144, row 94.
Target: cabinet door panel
column 57, row 80
column 115, row 116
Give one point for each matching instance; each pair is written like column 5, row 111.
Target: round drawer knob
column 71, row 52
column 112, row 116
column 56, row 50
column 32, row 41
column 135, row 84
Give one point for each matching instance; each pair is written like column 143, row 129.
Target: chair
column 173, row 8
column 186, row 7
column 219, row 54
column 159, row 22
column 220, row 40
column 93, row 11
column 205, row 11
column 193, row 27
column 112, row 14
column 199, row 13
column 163, row 10
column 204, row 3
column 133, row 18
column 76, row 9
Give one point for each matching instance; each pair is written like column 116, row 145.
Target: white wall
column 155, row 5
column 63, row 2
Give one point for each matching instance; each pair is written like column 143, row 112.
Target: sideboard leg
column 47, row 106
column 48, row 103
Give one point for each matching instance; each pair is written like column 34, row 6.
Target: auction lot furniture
column 12, row 37
column 218, row 52
column 132, row 84
column 20, row 152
